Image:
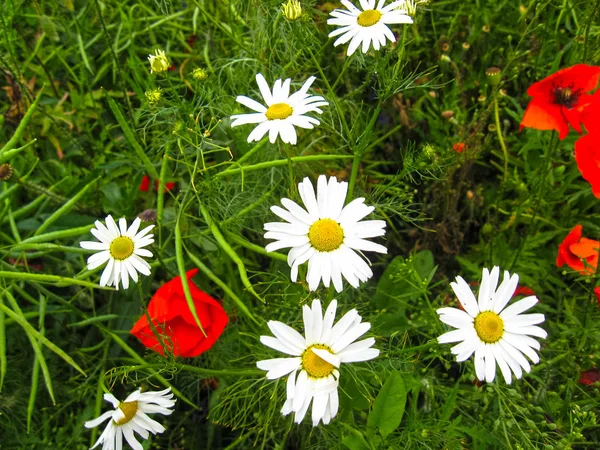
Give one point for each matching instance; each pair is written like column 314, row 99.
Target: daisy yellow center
column 368, row 18
column 489, row 327
column 326, row 235
column 314, row 365
column 121, row 248
column 129, row 409
column 279, row 111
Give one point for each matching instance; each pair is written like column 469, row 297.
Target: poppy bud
column 493, row 75
column 6, row 171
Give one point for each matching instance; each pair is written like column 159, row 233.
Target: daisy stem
column 281, row 162
column 248, row 154
column 333, row 96
column 500, row 137
column 160, row 197
column 360, row 151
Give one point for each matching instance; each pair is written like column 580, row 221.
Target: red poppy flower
column 590, row 114
column 589, row 377
column 575, row 250
column 587, row 155
column 558, row 100
column 459, row 147
column 523, row 290
column 174, row 322
column 597, row 292
column 145, row 185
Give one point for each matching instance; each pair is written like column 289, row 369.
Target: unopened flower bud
column 291, row 10
column 6, row 171
column 153, row 95
column 159, row 62
column 199, row 74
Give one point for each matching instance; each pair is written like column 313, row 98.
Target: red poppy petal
column 590, row 115
column 589, row 377
column 597, row 292
column 145, row 184
column 545, row 116
column 564, row 253
column 587, row 155
column 585, row 248
column 579, row 76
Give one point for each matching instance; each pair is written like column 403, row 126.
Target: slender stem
column 281, row 162
column 500, row 137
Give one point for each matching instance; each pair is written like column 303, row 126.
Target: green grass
column 80, row 134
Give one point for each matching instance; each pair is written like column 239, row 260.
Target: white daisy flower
column 367, row 26
column 132, row 416
column 494, row 333
column 283, row 111
column 123, row 248
column 316, row 358
column 326, row 234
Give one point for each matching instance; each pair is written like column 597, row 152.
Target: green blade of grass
column 229, row 251
column 59, row 281
column 65, row 208
column 3, row 362
column 31, row 331
column 182, row 275
column 56, row 235
column 132, row 139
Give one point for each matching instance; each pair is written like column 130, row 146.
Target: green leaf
column 355, row 440
column 389, row 405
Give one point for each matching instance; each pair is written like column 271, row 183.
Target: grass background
column 390, row 128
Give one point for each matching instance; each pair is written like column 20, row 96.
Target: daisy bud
column 159, row 62
column 6, row 171
column 199, row 74
column 153, row 95
column 291, row 10
column 493, row 76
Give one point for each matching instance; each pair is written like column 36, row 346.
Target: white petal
column 252, row 104
column 130, row 438
column 350, row 336
column 328, row 319
column 287, row 334
column 276, row 344
column 504, row 292
column 518, row 307
column 465, row 296
column 264, row 89
column 327, row 356
column 361, row 355
column 285, row 366
column 454, row 336
column 480, row 362
column 97, row 421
